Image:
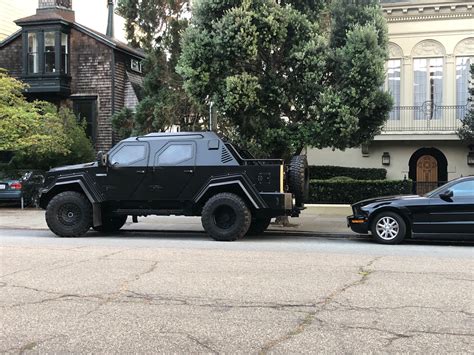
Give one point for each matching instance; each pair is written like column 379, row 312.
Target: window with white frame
column 463, row 65
column 136, row 65
column 428, row 87
column 392, row 85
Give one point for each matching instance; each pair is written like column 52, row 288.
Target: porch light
column 385, row 158
column 470, row 158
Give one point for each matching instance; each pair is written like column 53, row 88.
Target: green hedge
column 324, row 172
column 348, row 192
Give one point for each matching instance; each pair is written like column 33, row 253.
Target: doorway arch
column 427, row 166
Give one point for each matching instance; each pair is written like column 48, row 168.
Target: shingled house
column 71, row 65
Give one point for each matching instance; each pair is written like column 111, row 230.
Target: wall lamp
column 385, row 158
column 470, row 158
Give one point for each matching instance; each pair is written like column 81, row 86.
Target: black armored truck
column 187, row 174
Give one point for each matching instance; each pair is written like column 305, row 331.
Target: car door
column 127, row 168
column 174, row 167
column 452, row 211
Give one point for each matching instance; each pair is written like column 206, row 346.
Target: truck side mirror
column 102, row 158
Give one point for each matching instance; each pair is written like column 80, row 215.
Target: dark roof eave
column 10, row 38
column 43, row 22
column 110, row 43
column 124, row 49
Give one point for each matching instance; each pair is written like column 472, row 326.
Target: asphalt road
column 179, row 292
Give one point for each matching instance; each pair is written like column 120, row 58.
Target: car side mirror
column 102, row 158
column 447, row 195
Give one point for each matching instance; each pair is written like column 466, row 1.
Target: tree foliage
column 156, row 26
column 289, row 74
column 466, row 132
column 37, row 132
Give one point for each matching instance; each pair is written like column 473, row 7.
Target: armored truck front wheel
column 226, row 217
column 69, row 214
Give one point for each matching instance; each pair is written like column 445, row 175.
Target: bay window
column 46, row 52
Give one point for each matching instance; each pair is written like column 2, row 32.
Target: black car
column 448, row 209
column 190, row 174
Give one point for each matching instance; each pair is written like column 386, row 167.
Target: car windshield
column 438, row 190
column 14, row 175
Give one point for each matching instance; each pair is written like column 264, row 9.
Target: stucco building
column 431, row 49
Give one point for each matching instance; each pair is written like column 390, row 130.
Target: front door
column 426, row 174
column 127, row 167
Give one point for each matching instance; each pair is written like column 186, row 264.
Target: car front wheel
column 389, row 228
column 69, row 214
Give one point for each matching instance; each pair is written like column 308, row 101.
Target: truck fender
column 239, row 181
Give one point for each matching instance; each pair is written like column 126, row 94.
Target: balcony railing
column 425, row 118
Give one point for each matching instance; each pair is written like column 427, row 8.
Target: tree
column 466, row 132
column 156, row 25
column 28, row 126
column 37, row 132
column 289, row 74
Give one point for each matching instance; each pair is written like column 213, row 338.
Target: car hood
column 74, row 167
column 387, row 200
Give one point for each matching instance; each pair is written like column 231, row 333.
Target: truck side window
column 128, row 154
column 175, row 154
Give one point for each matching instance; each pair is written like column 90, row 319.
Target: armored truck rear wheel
column 111, row 224
column 69, row 214
column 226, row 217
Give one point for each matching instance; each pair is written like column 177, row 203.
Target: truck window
column 176, row 154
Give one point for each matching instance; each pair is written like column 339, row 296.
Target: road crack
column 365, row 271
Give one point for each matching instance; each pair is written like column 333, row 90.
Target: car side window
column 176, row 154
column 463, row 189
column 128, row 154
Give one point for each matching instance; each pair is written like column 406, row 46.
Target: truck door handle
column 189, row 171
column 140, row 171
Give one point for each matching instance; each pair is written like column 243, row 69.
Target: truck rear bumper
column 279, row 204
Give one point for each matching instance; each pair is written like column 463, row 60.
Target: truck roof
column 177, row 135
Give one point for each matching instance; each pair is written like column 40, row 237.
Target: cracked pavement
column 183, row 293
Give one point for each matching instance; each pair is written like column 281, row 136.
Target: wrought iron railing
column 423, row 187
column 425, row 118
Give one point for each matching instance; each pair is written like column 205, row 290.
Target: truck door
column 128, row 165
column 174, row 167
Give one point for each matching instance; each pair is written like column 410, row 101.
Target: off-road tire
column 111, row 224
column 298, row 178
column 396, row 228
column 226, row 217
column 258, row 226
column 69, row 214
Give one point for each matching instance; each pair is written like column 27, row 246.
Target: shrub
column 348, row 192
column 80, row 149
column 324, row 172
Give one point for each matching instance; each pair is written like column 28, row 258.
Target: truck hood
column 73, row 167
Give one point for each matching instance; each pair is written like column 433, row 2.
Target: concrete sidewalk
column 315, row 219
